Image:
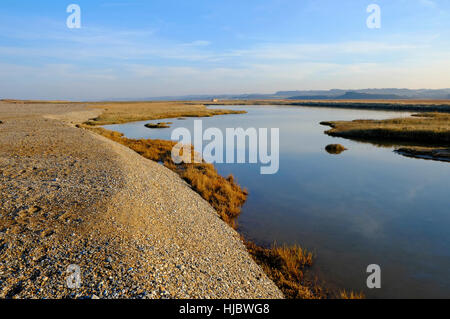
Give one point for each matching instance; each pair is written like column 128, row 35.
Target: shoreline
column 273, row 259
column 98, row 204
column 423, row 135
column 426, row 115
column 285, row 265
column 260, row 251
column 379, row 105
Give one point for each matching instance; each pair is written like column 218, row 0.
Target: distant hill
column 351, row 96
column 368, row 94
column 375, row 94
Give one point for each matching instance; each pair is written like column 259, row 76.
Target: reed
column 286, row 267
column 428, row 128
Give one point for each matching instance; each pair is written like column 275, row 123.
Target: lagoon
column 367, row 205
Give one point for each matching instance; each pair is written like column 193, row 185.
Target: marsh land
column 50, row 169
column 334, row 205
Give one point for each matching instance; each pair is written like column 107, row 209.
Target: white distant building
column 215, row 100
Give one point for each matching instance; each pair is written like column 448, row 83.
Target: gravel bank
column 133, row 227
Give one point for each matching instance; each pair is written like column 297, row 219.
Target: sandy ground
column 135, row 229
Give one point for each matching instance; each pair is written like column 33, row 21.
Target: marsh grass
column 224, row 194
column 431, row 128
column 123, row 112
column 286, row 266
column 351, row 295
column 14, row 101
column 387, row 105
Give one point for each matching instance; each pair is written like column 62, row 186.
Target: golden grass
column 286, row 266
column 123, row 112
column 351, row 295
column 429, row 128
column 224, row 194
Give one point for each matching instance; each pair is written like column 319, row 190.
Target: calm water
column 365, row 206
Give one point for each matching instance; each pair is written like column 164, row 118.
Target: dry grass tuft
column 224, row 194
column 286, row 266
column 351, row 295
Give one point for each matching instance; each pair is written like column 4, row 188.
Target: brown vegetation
column 13, row 101
column 351, row 295
column 158, row 125
column 123, row 112
column 335, row 149
column 390, row 105
column 286, row 266
column 429, row 128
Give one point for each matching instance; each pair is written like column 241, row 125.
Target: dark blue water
column 365, row 206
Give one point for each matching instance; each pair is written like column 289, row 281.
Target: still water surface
column 365, row 206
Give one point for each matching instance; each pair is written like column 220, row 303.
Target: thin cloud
column 428, row 3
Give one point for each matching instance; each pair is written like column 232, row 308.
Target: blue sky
column 146, row 48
